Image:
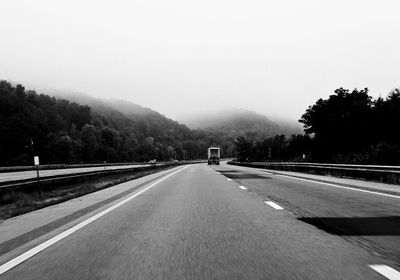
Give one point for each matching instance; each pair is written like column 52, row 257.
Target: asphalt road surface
column 226, row 222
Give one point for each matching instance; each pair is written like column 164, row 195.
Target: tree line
column 348, row 127
column 60, row 131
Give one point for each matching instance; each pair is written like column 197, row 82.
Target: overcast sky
column 182, row 56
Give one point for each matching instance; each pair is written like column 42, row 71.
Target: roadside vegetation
column 60, row 131
column 17, row 201
column 348, row 127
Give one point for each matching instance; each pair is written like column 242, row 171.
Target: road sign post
column 36, row 162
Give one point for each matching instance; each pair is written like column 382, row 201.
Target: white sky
column 180, row 56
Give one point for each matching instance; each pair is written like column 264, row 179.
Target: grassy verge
column 17, row 202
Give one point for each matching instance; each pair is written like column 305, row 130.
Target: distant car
column 176, row 161
column 152, row 161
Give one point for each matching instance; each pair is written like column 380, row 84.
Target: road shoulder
column 23, row 230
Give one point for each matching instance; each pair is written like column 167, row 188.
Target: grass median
column 14, row 202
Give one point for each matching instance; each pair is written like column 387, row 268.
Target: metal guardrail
column 63, row 166
column 5, row 169
column 53, row 178
column 381, row 173
column 377, row 168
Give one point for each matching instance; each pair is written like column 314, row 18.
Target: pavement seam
column 317, row 180
column 330, row 182
column 359, row 189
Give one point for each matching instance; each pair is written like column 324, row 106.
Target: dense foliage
column 60, row 131
column 226, row 125
column 348, row 127
column 297, row 147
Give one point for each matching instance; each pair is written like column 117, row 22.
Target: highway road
column 220, row 222
column 22, row 175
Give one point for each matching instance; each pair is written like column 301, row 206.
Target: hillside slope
column 238, row 122
column 64, row 131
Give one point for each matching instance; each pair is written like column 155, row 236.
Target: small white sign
column 36, row 160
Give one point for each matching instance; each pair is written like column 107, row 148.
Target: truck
column 214, row 154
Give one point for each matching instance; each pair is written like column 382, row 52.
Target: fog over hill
column 96, row 130
column 218, row 126
column 231, row 122
column 89, row 130
column 123, row 106
column 236, row 122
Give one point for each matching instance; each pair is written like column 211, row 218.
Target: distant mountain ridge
column 123, row 106
column 239, row 122
column 229, row 123
column 214, row 127
column 74, row 127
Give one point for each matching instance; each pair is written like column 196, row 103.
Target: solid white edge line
column 30, row 253
column 338, row 186
column 242, row 187
column 386, row 271
column 273, row 205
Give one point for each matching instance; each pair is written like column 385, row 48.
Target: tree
column 299, row 145
column 243, row 149
column 340, row 123
column 89, row 142
column 387, row 116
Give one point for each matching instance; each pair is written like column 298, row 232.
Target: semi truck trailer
column 214, row 154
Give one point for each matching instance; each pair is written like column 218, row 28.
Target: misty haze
column 199, row 140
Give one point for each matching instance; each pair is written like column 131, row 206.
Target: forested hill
column 234, row 123
column 348, row 127
column 97, row 104
column 61, row 131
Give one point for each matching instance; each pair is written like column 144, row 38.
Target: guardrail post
column 36, row 162
column 38, row 177
column 37, row 173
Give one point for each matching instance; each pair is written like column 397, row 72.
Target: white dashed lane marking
column 273, row 205
column 386, row 271
column 243, row 188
